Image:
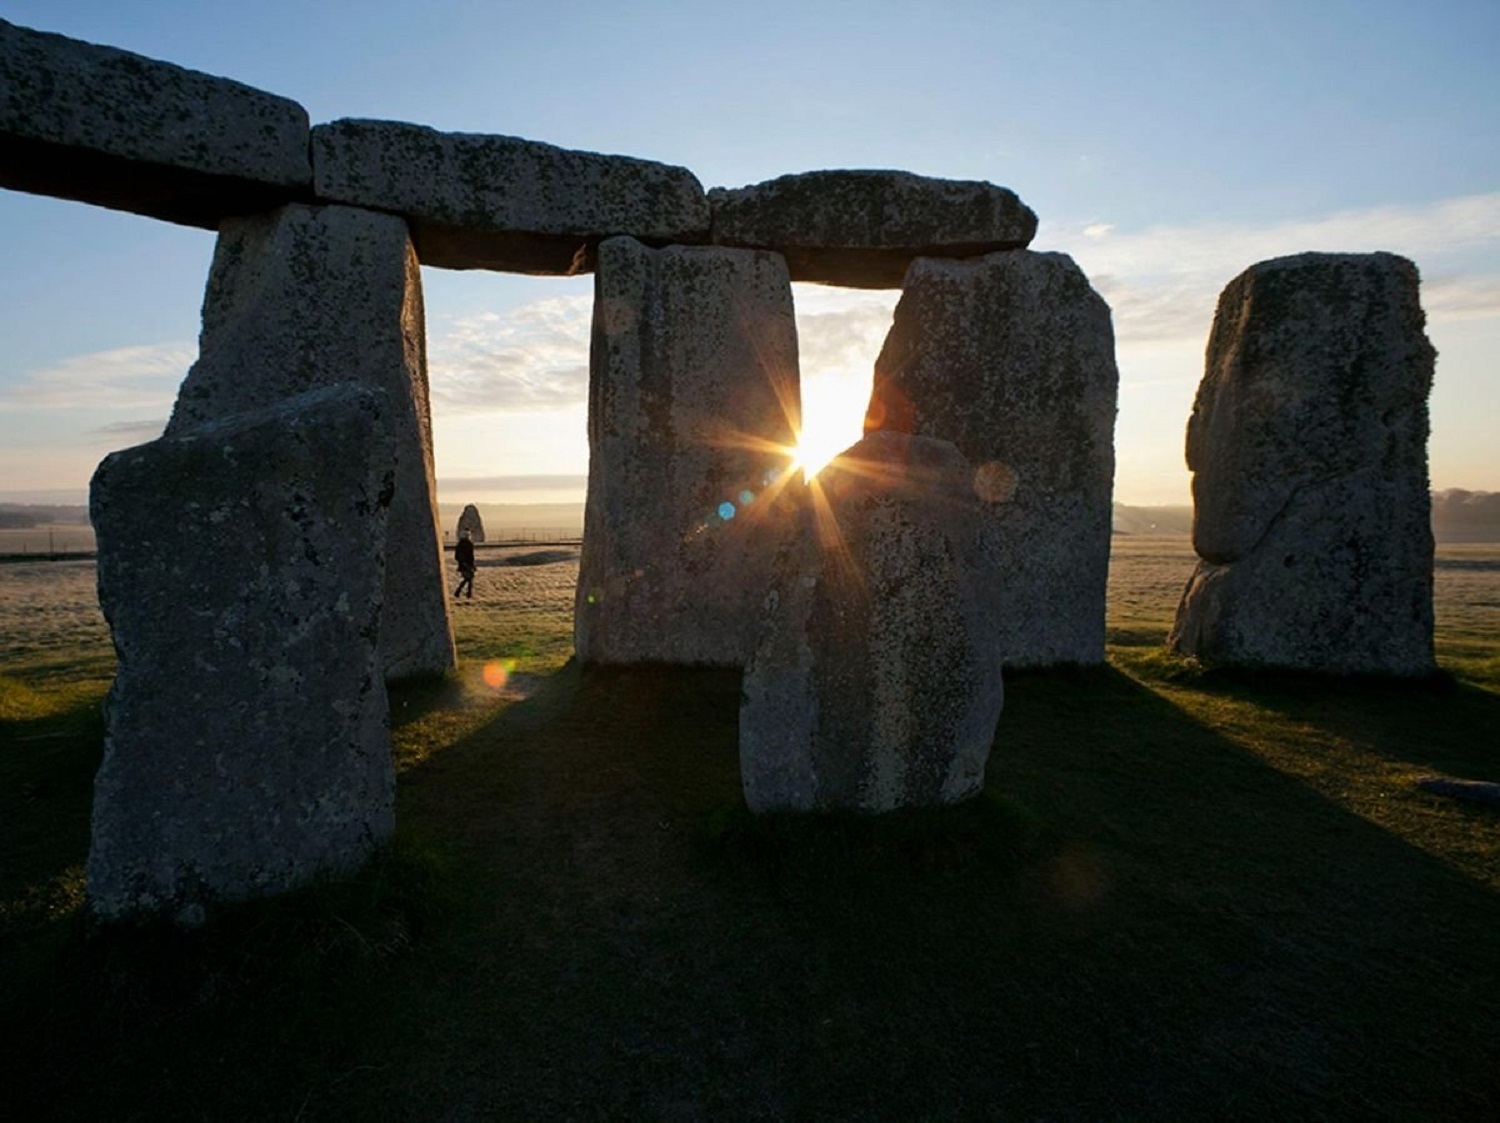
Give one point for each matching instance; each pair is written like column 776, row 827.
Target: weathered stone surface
column 105, row 126
column 311, row 296
column 1011, row 357
column 693, row 403
column 470, row 521
column 876, row 681
column 476, row 201
column 240, row 567
column 1308, row 446
column 863, row 228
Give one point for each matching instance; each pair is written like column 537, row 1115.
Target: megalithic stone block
column 1011, row 357
column 311, row 296
column 875, row 682
column 693, row 411
column 241, row 567
column 104, row 126
column 478, row 201
column 1308, row 446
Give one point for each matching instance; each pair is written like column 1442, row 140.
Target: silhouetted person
column 463, row 554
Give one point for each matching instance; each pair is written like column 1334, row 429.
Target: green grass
column 1184, row 895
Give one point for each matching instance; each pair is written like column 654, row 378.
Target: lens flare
column 497, row 673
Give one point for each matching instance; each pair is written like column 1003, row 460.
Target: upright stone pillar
column 1308, row 446
column 1011, row 357
column 693, row 409
column 311, row 296
column 247, row 746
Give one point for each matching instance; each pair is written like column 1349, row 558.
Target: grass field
column 1185, row 895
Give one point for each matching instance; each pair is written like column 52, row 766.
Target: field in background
column 1185, row 895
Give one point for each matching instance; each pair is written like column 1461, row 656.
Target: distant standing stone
column 311, row 296
column 471, row 522
column 240, row 567
column 876, row 680
column 863, row 228
column 1011, row 357
column 1308, row 446
column 693, row 404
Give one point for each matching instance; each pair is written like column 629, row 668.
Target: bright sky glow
column 1165, row 145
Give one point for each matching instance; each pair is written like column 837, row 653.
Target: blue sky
column 1166, row 146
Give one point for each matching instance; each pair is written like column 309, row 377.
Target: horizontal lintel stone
column 863, row 228
column 479, row 201
column 108, row 127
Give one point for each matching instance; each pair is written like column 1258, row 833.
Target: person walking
column 463, row 554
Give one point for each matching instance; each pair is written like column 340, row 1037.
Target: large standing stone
column 499, row 202
column 876, row 681
column 310, row 296
column 470, row 521
column 863, row 228
column 1011, row 357
column 1308, row 446
column 693, row 407
column 240, row 567
column 109, row 127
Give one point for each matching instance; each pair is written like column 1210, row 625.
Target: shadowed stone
column 693, row 402
column 311, row 296
column 1308, row 446
column 105, row 126
column 240, row 568
column 470, row 521
column 876, row 681
column 498, row 202
column 1011, row 357
column 863, row 228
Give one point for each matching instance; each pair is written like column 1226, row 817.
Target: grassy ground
column 1185, row 895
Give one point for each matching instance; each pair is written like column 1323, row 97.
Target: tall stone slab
column 863, row 228
column 241, row 570
column 477, row 201
column 310, row 296
column 1011, row 357
column 693, row 409
column 875, row 683
column 1308, row 447
column 104, row 126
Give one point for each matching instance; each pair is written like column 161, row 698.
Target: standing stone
column 240, row 567
column 470, row 521
column 311, row 296
column 1011, row 357
column 115, row 129
column 1308, row 446
column 876, row 681
column 693, row 407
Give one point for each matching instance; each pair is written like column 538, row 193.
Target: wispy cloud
column 511, row 483
column 124, row 378
column 534, row 358
column 144, row 430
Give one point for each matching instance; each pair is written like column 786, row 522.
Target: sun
column 833, row 417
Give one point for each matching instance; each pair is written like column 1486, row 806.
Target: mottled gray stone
column 1308, row 446
column 876, row 680
column 105, row 126
column 470, row 521
column 311, row 296
column 240, row 567
column 693, row 400
column 862, row 229
column 1011, row 357
column 476, row 201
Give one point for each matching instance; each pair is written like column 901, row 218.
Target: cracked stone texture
column 876, row 680
column 104, row 126
column 861, row 229
column 1011, row 357
column 477, row 201
column 1308, row 447
column 693, row 404
column 311, row 296
column 240, row 567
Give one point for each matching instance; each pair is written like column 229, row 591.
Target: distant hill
column 1466, row 516
column 1153, row 520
